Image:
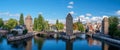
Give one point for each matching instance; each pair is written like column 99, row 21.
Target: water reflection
column 25, row 44
column 39, row 43
column 109, row 47
column 29, row 45
column 69, row 45
column 1, row 40
column 92, row 41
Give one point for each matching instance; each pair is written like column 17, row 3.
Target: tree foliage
column 46, row 25
column 75, row 26
column 35, row 24
column 40, row 24
column 59, row 26
column 78, row 26
column 1, row 22
column 11, row 23
column 21, row 20
column 113, row 23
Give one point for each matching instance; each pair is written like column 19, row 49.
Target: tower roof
column 69, row 15
column 28, row 17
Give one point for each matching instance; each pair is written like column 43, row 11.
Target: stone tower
column 69, row 24
column 28, row 23
column 105, row 25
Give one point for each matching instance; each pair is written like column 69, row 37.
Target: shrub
column 25, row 31
column 117, row 33
column 15, row 33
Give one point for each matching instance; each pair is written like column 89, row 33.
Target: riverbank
column 14, row 38
column 106, row 38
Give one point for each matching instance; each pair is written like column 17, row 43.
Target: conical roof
column 69, row 16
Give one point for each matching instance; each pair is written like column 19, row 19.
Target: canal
column 39, row 43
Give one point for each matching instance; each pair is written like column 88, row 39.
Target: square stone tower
column 69, row 24
column 105, row 25
column 28, row 23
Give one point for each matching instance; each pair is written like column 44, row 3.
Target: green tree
column 21, row 20
column 113, row 23
column 40, row 23
column 61, row 26
column 11, row 23
column 1, row 22
column 57, row 21
column 75, row 26
column 35, row 24
column 78, row 26
column 81, row 27
column 46, row 25
column 58, row 25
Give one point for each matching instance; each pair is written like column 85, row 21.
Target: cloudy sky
column 51, row 10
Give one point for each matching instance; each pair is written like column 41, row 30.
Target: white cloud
column 71, row 2
column 85, row 19
column 88, row 14
column 70, row 7
column 62, row 21
column 72, row 12
column 105, row 16
column 118, row 12
column 40, row 12
column 51, row 21
column 54, row 21
column 8, row 14
column 82, row 18
column 4, row 13
column 15, row 15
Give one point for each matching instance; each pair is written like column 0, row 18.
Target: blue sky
column 58, row 9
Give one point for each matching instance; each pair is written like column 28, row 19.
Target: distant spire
column 79, row 21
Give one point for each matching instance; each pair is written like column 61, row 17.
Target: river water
column 38, row 43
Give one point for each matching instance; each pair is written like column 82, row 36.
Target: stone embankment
column 15, row 38
column 106, row 38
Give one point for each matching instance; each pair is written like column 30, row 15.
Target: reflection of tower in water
column 69, row 45
column 104, row 46
column 109, row 47
column 29, row 45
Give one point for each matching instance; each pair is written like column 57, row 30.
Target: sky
column 52, row 10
